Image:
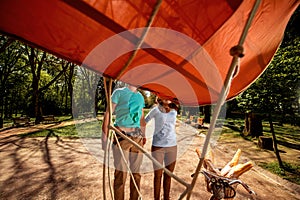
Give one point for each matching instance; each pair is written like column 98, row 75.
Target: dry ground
column 62, row 168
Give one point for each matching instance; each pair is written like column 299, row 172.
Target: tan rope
column 108, row 144
column 221, row 99
column 127, row 165
column 144, row 34
column 110, row 136
column 104, row 157
column 106, row 152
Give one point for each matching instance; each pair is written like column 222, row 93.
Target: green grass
column 63, row 118
column 66, row 131
column 289, row 172
column 286, row 135
column 88, row 129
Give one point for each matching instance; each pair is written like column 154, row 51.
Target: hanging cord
column 144, row 34
column 108, row 144
column 236, row 52
column 127, row 165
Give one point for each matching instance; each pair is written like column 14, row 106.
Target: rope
column 104, row 157
column 127, row 165
column 144, row 34
column 107, row 152
column 223, row 94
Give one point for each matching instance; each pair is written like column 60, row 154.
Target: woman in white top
column 164, row 143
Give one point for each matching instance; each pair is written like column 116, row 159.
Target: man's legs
column 120, row 169
column 119, row 184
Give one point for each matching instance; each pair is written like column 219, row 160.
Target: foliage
column 14, row 76
column 151, row 100
column 29, row 76
column 88, row 93
column 277, row 90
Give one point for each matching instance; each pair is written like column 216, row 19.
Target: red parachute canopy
column 174, row 48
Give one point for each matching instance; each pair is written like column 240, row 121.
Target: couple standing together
column 128, row 104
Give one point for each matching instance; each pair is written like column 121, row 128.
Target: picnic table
column 195, row 121
column 47, row 119
column 22, row 121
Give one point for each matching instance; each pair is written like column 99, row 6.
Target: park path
column 65, row 168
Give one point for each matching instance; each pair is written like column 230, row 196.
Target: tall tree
column 36, row 59
column 69, row 78
column 277, row 90
column 40, row 61
column 13, row 75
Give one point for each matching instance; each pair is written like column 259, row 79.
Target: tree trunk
column 275, row 142
column 70, row 86
column 253, row 125
column 37, row 113
column 207, row 113
column 2, row 109
column 36, row 67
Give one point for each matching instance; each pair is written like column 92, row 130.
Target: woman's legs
column 158, row 154
column 167, row 155
column 170, row 161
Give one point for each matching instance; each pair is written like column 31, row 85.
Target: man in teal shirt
column 127, row 105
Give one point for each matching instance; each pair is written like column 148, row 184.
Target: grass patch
column 87, row 129
column 229, row 133
column 66, row 131
column 287, row 135
column 289, row 171
column 63, row 118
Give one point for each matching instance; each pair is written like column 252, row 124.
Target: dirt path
column 62, row 168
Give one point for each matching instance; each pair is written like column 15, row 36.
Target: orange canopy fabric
column 173, row 48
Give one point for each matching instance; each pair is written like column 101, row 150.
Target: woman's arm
column 151, row 114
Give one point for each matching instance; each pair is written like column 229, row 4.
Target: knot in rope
column 237, row 51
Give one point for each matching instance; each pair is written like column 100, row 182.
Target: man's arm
column 105, row 128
